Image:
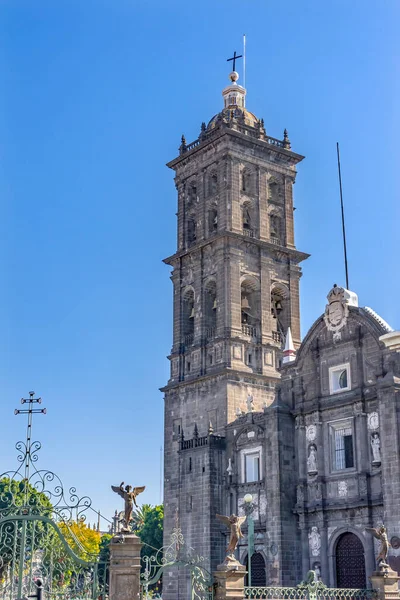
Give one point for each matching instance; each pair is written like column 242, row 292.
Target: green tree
column 21, row 498
column 149, row 527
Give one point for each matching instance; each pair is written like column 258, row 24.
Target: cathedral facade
column 310, row 432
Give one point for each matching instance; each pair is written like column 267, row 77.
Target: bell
column 192, row 314
column 245, row 303
column 278, row 306
column 215, row 304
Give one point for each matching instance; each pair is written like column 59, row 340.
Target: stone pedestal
column 230, row 582
column 125, row 567
column 385, row 582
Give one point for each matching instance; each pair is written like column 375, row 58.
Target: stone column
column 125, row 567
column 229, row 582
column 386, row 583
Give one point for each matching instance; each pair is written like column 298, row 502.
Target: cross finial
column 29, row 411
column 234, row 58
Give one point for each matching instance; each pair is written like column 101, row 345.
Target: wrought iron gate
column 40, row 547
column 176, row 556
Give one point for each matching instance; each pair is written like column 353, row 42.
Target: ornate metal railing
column 308, row 591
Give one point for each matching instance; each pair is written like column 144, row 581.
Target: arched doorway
column 258, row 576
column 350, row 562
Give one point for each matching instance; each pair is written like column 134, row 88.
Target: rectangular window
column 344, row 458
column 252, row 467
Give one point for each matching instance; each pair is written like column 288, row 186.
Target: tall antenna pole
column 343, row 225
column 244, row 63
column 161, row 454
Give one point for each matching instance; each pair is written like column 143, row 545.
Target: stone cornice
column 294, row 255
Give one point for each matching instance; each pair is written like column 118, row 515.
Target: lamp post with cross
column 249, row 509
column 30, row 411
column 31, row 401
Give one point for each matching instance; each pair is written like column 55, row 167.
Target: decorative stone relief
column 373, row 421
column 311, row 432
column 314, row 540
column 300, row 494
column 342, row 489
column 312, row 460
column 268, row 358
column 263, row 505
column 358, row 409
column 362, row 485
column 330, row 532
column 337, row 310
column 237, row 352
column 299, row 422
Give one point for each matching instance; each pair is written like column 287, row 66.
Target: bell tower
column 235, row 279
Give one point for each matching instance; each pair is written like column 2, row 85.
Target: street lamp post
column 249, row 509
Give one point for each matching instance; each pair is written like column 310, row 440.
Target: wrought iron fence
column 309, row 590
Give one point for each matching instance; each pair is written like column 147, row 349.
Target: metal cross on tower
column 29, row 411
column 234, row 58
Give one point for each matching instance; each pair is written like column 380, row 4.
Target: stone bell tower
column 235, row 277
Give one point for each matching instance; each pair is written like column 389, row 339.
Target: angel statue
column 381, row 535
column 129, row 495
column 233, row 522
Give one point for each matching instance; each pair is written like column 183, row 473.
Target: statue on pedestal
column 381, row 535
column 129, row 495
column 234, row 523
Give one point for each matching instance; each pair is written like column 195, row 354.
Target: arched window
column 188, row 315
column 258, row 575
column 350, row 562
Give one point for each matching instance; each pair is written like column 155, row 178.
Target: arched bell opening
column 247, row 219
column 250, row 306
column 279, row 313
column 213, row 184
column 210, row 308
column 246, row 181
column 276, row 229
column 212, row 219
column 191, row 233
column 188, row 315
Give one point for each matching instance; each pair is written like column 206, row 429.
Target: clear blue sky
column 95, row 95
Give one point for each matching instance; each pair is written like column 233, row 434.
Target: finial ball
column 234, row 76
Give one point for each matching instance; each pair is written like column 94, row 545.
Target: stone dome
column 249, row 118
